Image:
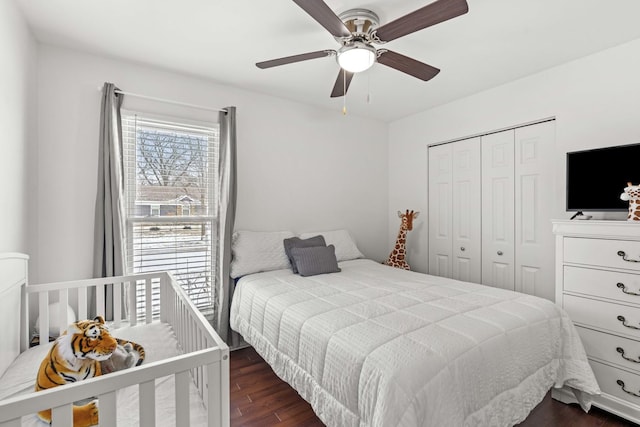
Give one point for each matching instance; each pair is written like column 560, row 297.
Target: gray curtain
column 109, row 237
column 226, row 218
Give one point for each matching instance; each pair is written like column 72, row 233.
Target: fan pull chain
column 368, row 88
column 344, row 93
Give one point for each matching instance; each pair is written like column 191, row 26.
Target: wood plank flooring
column 260, row 399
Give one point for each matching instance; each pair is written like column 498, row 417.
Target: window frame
column 131, row 178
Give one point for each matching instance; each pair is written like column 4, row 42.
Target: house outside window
column 171, row 173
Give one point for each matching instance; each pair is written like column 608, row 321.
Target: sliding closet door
column 498, row 210
column 440, row 224
column 466, row 218
column 534, row 197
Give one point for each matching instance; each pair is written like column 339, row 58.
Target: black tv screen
column 596, row 178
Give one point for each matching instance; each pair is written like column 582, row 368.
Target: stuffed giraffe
column 399, row 252
column 632, row 194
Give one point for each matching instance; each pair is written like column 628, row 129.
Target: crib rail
column 205, row 360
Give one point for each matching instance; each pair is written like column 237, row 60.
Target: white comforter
column 379, row 346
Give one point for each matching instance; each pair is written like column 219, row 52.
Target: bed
column 183, row 381
column 373, row 345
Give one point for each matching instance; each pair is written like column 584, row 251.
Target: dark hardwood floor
column 259, row 398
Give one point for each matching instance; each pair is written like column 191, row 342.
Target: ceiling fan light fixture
column 356, row 56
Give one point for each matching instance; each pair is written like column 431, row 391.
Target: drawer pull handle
column 621, row 384
column 624, row 289
column 624, row 257
column 624, row 323
column 621, row 351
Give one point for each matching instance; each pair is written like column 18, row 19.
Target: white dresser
column 598, row 284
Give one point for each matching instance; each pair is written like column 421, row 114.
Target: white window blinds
column 171, row 192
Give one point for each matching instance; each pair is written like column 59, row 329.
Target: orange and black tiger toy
column 75, row 356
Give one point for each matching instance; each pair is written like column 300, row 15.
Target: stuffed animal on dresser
column 85, row 350
column 632, row 194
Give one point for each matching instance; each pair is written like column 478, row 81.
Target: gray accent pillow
column 296, row 242
column 315, row 260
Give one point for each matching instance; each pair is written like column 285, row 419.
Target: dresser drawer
column 611, row 348
column 603, row 283
column 603, row 315
column 602, row 252
column 608, row 379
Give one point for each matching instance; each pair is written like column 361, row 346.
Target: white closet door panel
column 498, row 253
column 466, row 216
column 440, row 225
column 534, row 193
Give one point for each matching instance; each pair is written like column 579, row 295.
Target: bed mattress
column 379, row 346
column 159, row 343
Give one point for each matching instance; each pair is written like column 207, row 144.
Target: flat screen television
column 596, row 178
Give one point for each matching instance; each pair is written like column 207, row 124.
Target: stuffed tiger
column 74, row 356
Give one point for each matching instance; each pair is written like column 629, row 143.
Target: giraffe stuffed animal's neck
column 397, row 257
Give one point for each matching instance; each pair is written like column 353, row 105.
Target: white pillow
column 255, row 251
column 346, row 248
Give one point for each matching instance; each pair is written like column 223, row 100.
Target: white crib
column 203, row 360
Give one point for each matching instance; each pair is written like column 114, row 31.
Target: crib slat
column 13, row 423
column 148, row 293
column 100, row 307
column 82, row 303
column 182, row 399
column 164, row 298
column 117, row 305
column 147, row 404
column 61, row 315
column 133, row 308
column 43, row 311
column 62, row 416
column 108, row 409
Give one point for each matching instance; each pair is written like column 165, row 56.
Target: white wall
column 596, row 101
column 299, row 168
column 17, row 121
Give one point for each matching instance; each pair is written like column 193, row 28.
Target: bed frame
column 205, row 358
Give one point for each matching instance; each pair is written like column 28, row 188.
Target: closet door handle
column 500, row 253
column 624, row 323
column 621, row 351
column 621, row 384
column 624, row 257
column 462, row 248
column 624, row 289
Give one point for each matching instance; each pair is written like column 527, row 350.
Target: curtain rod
column 168, row 101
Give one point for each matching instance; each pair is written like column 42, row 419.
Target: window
column 171, row 191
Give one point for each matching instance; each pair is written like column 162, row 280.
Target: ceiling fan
column 357, row 30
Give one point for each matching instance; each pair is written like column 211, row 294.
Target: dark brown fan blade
column 325, row 17
column 295, row 58
column 407, row 65
column 341, row 86
column 431, row 14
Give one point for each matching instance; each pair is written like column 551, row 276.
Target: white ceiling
column 495, row 42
